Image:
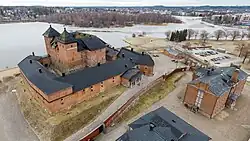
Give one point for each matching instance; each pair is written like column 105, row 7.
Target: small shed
column 131, row 77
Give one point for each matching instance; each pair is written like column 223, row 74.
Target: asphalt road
column 13, row 126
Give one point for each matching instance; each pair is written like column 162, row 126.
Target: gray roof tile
column 168, row 127
column 138, row 58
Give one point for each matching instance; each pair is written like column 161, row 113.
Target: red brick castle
column 78, row 67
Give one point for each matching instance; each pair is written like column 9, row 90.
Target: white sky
column 123, row 2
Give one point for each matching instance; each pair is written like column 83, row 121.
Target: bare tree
column 196, row 33
column 219, row 34
column 248, row 33
column 227, row 34
column 243, row 35
column 235, row 34
column 190, row 33
column 204, row 35
column 168, row 34
column 244, row 51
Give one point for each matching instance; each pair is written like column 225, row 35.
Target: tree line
column 108, row 19
column 204, row 35
column 178, row 36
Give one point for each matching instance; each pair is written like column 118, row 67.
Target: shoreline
column 119, row 26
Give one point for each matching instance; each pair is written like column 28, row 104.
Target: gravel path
column 13, row 126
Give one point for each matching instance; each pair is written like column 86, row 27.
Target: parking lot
column 215, row 58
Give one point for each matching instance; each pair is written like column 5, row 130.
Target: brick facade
column 65, row 57
column 66, row 54
column 211, row 104
column 146, row 70
column 66, row 98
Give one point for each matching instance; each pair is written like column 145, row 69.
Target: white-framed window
column 199, row 98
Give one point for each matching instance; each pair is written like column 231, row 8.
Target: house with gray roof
column 162, row 125
column 213, row 89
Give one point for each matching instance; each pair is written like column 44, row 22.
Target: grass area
column 57, row 126
column 152, row 96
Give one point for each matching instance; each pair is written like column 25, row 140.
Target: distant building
column 78, row 67
column 214, row 88
column 162, row 125
column 173, row 53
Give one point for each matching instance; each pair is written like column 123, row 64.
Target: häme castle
column 78, row 67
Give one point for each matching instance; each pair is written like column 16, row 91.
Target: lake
column 17, row 40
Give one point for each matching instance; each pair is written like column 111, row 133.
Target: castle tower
column 49, row 37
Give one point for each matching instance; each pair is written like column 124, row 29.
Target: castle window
column 91, row 87
column 92, row 90
column 83, row 90
column 102, row 82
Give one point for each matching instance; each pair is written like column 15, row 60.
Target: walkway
column 13, row 126
column 163, row 65
column 116, row 132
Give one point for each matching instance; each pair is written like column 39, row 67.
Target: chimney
column 221, row 71
column 33, row 53
column 30, row 61
column 63, row 74
column 208, row 72
column 123, row 55
column 142, row 53
column 151, row 126
column 40, row 70
column 235, row 75
column 132, row 49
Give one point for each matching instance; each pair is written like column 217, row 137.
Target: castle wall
column 95, row 57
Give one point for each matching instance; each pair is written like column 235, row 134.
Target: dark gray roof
column 51, row 32
column 219, row 79
column 172, row 51
column 166, row 127
column 66, row 37
column 132, row 74
column 49, row 83
column 138, row 58
column 111, row 51
column 90, row 42
column 90, row 76
column 45, row 81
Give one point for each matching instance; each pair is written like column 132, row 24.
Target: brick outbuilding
column 214, row 88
